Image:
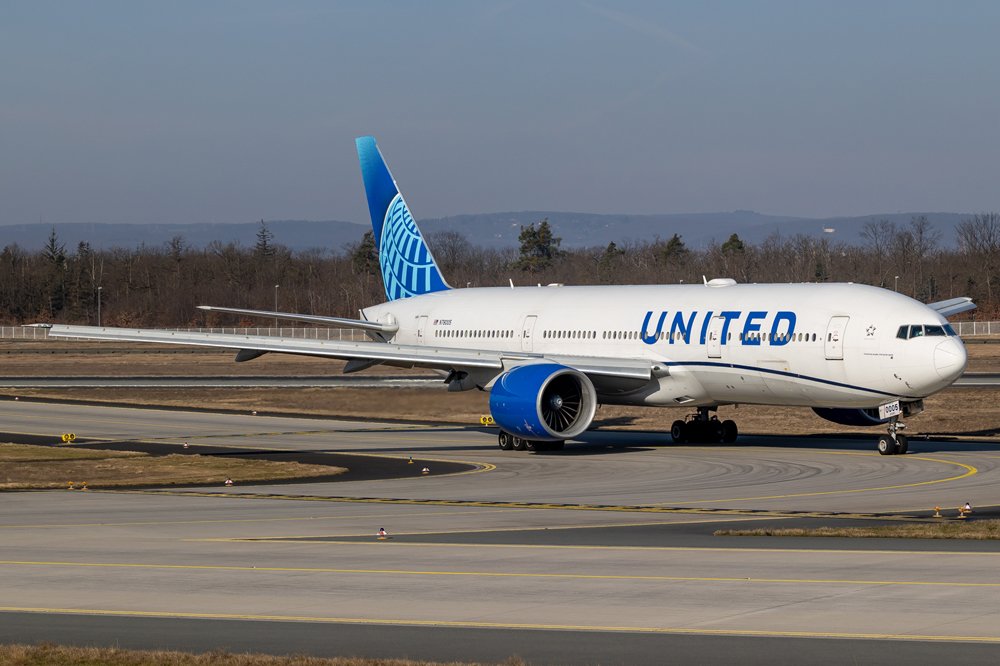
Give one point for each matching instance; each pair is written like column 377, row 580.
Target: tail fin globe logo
column 408, row 267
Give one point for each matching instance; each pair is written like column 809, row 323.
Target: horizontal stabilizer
column 953, row 306
column 311, row 319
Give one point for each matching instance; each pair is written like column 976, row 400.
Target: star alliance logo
column 871, row 331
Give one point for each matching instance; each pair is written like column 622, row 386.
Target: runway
column 604, row 554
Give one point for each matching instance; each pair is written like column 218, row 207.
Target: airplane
column 550, row 355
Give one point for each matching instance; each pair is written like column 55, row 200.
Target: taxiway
column 602, row 554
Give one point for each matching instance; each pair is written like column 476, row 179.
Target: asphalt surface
column 602, row 554
column 494, row 645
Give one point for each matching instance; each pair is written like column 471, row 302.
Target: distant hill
column 486, row 229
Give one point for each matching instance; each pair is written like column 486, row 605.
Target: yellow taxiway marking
column 728, row 550
column 487, row 530
column 504, row 574
column 636, row 508
column 465, row 624
column 969, row 471
column 261, row 520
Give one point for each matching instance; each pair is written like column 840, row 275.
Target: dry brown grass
column 55, row 655
column 24, row 467
column 966, row 529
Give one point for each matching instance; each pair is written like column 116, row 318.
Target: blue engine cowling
column 543, row 401
column 851, row 417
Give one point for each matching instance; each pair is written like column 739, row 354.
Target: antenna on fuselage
column 705, row 280
column 511, row 282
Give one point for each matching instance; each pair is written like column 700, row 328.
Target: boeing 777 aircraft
column 548, row 356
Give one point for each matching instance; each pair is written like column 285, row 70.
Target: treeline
column 160, row 286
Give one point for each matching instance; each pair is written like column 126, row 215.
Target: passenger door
column 527, row 332
column 714, row 337
column 421, row 325
column 834, row 342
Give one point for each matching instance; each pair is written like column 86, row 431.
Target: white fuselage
column 817, row 345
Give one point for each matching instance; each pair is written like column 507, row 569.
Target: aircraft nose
column 950, row 358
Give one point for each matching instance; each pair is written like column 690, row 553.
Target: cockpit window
column 920, row 330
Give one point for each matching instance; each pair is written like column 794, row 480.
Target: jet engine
column 543, row 401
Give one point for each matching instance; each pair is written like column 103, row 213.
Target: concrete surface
column 629, row 564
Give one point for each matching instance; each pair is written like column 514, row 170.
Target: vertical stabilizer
column 408, row 267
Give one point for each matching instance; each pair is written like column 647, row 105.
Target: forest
column 160, row 286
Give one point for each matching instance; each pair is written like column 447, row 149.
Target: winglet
column 408, row 267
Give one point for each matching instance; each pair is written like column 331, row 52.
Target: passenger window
column 937, row 331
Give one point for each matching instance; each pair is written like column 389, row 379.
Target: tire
column 716, row 432
column 729, row 431
column 520, row 444
column 505, row 439
column 902, row 444
column 678, row 432
column 886, row 446
column 532, row 445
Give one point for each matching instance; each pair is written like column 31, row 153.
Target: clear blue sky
column 158, row 111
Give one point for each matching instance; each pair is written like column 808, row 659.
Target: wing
column 338, row 322
column 484, row 363
column 953, row 306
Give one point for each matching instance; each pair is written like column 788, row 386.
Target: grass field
column 53, row 655
column 951, row 529
column 24, row 467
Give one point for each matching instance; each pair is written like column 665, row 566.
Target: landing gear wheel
column 520, row 444
column 532, row 445
column 678, row 432
column 902, row 444
column 716, row 431
column 886, row 446
column 506, row 440
column 729, row 431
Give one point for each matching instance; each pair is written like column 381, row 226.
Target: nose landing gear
column 704, row 427
column 893, row 443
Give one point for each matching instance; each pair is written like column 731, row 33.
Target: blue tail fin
column 408, row 268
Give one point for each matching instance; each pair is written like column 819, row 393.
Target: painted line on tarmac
column 501, row 574
column 465, row 624
column 259, row 520
column 549, row 506
column 298, row 538
column 969, row 471
column 726, row 550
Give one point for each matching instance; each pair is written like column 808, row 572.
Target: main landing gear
column 509, row 442
column 704, row 427
column 893, row 443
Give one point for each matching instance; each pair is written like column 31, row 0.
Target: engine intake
column 543, row 401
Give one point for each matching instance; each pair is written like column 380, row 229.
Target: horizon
column 216, row 113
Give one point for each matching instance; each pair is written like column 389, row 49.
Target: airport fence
column 349, row 334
